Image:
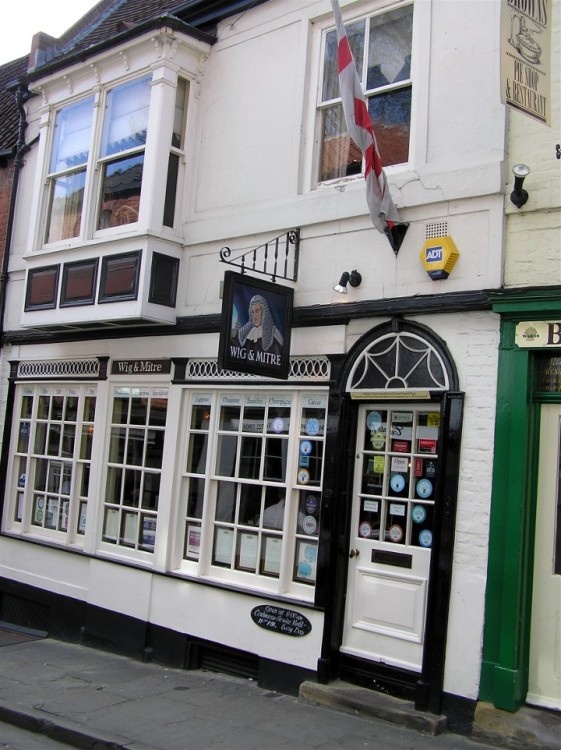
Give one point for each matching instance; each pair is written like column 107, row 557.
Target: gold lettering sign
column 548, row 375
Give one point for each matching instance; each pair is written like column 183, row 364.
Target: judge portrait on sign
column 260, row 333
column 256, row 326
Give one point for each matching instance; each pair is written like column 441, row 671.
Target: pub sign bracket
column 277, row 258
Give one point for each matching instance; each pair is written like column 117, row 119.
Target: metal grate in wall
column 436, row 229
column 24, row 613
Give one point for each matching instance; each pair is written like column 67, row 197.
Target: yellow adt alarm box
column 439, row 256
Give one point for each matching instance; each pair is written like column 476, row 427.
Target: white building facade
column 331, row 523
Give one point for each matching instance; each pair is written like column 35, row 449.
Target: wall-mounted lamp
column 353, row 278
column 519, row 196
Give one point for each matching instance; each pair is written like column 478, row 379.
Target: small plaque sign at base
column 281, row 620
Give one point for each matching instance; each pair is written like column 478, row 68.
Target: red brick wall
column 6, row 179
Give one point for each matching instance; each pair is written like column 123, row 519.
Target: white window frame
column 156, row 151
column 21, row 503
column 134, row 552
column 420, row 69
column 286, row 584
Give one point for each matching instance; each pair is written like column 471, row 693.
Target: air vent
column 436, row 229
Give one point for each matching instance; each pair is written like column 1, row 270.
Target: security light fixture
column 519, row 196
column 353, row 278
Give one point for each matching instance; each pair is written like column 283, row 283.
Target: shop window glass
column 136, row 448
column 381, row 46
column 252, row 488
column 50, row 476
column 399, row 468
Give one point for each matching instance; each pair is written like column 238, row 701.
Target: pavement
column 87, row 698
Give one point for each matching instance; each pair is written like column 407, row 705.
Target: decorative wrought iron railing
column 277, row 258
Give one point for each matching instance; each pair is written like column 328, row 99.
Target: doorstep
column 526, row 729
column 365, row 702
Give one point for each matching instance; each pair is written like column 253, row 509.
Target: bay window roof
column 112, row 22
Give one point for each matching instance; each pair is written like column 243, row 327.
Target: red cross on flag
column 359, row 124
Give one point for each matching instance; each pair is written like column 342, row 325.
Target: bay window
column 381, row 46
column 97, row 161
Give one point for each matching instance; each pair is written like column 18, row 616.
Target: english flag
column 359, row 124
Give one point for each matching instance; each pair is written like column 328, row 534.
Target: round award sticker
column 418, row 513
column 303, row 476
column 424, row 488
column 425, row 538
column 312, row 426
column 365, row 529
column 397, row 482
column 395, row 533
column 305, row 447
column 277, row 425
column 373, row 419
column 310, row 525
column 311, row 504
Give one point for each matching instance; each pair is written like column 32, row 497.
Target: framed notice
column 193, row 545
column 223, row 542
column 271, row 559
column 247, row 551
column 255, row 327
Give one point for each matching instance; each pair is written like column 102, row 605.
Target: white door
column 391, row 534
column 544, row 685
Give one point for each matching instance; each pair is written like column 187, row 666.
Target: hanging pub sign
column 526, row 57
column 256, row 326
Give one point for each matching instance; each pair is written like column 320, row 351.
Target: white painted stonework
column 248, row 175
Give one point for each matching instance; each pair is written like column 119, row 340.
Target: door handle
column 354, row 553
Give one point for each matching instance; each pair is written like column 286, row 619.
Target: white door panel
column 391, row 533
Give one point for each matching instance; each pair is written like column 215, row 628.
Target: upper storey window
column 67, row 173
column 122, row 152
column 381, row 46
column 97, row 164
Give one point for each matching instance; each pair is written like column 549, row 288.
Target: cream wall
column 533, row 232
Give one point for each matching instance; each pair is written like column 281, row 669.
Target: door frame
column 510, row 569
column 425, row 689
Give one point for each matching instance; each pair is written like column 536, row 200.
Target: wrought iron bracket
column 277, row 258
